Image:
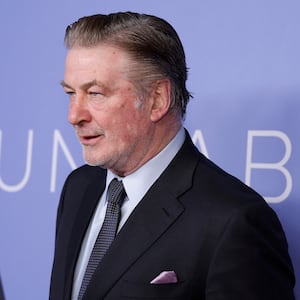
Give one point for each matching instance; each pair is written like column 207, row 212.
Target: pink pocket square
column 165, row 277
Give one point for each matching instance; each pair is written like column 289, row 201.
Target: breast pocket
column 136, row 291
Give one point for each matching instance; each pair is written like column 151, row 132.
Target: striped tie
column 116, row 196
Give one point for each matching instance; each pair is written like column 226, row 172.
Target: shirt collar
column 139, row 182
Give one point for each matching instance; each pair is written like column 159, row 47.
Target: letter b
column 278, row 166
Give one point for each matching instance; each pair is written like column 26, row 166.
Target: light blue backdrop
column 245, row 77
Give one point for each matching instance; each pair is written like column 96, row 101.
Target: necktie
column 116, row 196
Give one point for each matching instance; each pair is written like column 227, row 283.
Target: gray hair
column 152, row 42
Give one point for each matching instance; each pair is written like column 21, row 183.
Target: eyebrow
column 84, row 86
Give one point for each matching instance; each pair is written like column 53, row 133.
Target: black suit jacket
column 219, row 236
column 1, row 291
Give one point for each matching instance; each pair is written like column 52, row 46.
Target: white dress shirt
column 136, row 185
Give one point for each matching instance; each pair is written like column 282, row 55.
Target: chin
column 90, row 158
column 92, row 164
column 93, row 161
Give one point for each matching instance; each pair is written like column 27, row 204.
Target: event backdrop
column 244, row 74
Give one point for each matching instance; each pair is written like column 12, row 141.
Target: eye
column 94, row 94
column 69, row 92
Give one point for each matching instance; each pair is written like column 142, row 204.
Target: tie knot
column 116, row 192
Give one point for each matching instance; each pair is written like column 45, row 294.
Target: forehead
column 96, row 62
column 101, row 55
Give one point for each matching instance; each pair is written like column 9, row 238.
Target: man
column 187, row 229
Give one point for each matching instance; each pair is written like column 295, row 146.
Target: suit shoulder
column 86, row 173
column 223, row 185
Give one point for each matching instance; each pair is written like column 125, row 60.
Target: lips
column 89, row 140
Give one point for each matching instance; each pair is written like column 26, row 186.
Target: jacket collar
column 87, row 206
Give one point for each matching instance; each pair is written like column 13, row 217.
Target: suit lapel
column 86, row 209
column 140, row 232
column 136, row 236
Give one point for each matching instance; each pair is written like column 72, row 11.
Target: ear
column 161, row 99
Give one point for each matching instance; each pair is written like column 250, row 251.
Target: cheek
column 128, row 130
column 126, row 123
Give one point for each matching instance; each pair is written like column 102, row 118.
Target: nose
column 78, row 111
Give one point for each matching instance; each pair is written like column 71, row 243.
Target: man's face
column 113, row 127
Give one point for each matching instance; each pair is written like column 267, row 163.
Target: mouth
column 89, row 140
